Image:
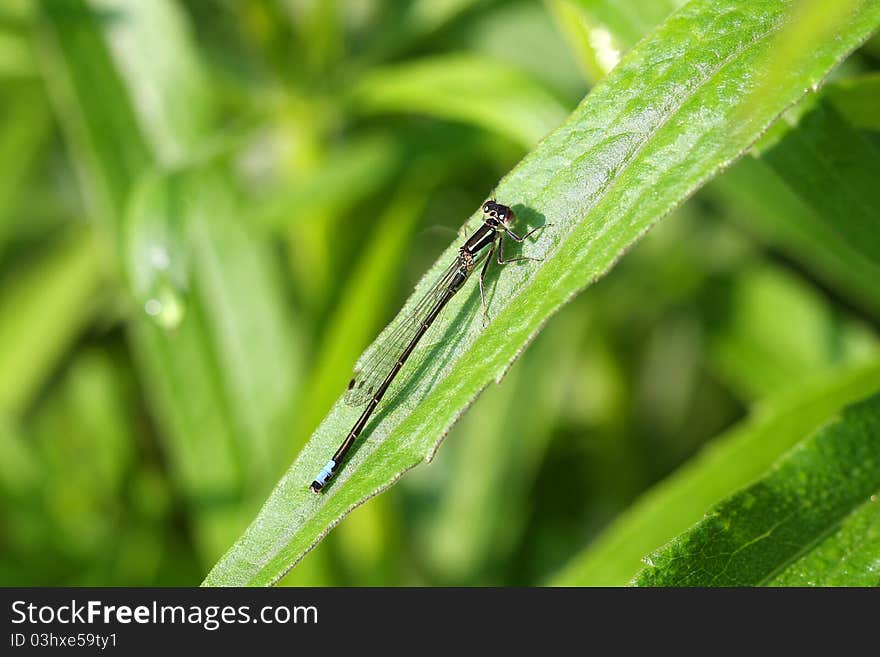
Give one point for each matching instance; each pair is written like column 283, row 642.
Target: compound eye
column 501, row 215
column 487, row 207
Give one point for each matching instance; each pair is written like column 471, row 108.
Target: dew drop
column 166, row 308
column 153, row 307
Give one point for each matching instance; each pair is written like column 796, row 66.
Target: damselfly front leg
column 501, row 259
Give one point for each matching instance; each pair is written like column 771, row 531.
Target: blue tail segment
column 323, row 476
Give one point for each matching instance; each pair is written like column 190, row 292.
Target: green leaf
column 797, row 524
column 599, row 31
column 464, row 88
column 152, row 48
column 858, row 100
column 221, row 363
column 811, row 193
column 93, row 107
column 127, row 91
column 728, row 463
column 751, row 341
column 42, row 311
column 24, row 131
column 348, row 174
column 634, row 149
column 359, row 309
column 493, row 456
column 222, row 368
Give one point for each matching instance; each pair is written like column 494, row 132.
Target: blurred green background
column 209, row 208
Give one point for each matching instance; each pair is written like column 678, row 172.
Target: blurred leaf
column 492, row 458
column 360, row 308
column 86, row 446
column 731, row 461
column 221, row 382
column 348, row 174
column 223, row 376
column 463, row 88
column 857, row 100
column 492, row 32
column 834, row 170
column 93, row 107
column 771, row 331
column 42, row 311
column 126, row 90
column 24, row 130
column 812, row 194
column 600, row 31
column 632, row 151
column 795, row 524
column 16, row 53
column 19, row 467
column 409, row 24
column 152, row 49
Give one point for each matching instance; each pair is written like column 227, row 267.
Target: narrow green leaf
column 847, row 556
column 348, row 174
column 751, row 341
column 223, row 367
column 858, row 100
column 730, row 462
column 634, row 149
column 834, row 170
column 152, row 48
column 464, row 88
column 93, row 106
column 359, row 309
column 795, row 523
column 811, row 192
column 42, row 310
column 599, row 31
column 24, row 131
column 220, row 364
column 492, row 458
column 127, row 89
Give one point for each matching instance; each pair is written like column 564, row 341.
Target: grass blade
column 731, row 461
column 794, row 524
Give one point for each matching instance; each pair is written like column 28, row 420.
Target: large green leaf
column 813, row 518
column 731, row 461
column 636, row 148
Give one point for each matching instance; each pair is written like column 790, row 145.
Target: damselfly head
column 498, row 212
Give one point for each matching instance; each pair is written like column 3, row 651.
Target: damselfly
column 372, row 380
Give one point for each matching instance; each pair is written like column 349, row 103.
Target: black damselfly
column 374, row 377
